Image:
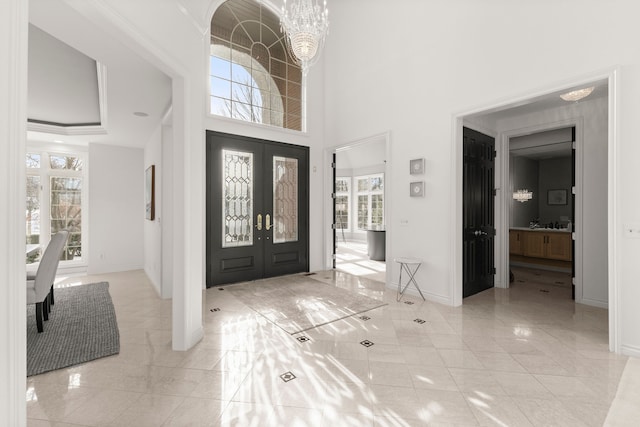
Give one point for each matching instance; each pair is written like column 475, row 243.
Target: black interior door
column 478, row 212
column 257, row 208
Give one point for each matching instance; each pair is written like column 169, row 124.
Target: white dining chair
column 40, row 289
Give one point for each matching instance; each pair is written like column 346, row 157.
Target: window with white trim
column 252, row 76
column 342, row 201
column 370, row 201
column 56, row 195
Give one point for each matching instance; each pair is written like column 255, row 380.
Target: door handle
column 268, row 224
column 259, row 222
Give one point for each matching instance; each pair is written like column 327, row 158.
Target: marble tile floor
column 517, row 357
column 352, row 258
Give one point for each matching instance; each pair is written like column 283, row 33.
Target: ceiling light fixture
column 576, row 95
column 522, row 195
column 305, row 25
column 141, row 114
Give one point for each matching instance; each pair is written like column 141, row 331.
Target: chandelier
column 305, row 25
column 522, row 195
column 577, row 95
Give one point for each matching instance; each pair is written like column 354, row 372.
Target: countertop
column 548, row 230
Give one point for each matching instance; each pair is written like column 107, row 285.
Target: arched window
column 252, row 76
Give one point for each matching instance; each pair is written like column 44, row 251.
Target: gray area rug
column 298, row 303
column 82, row 326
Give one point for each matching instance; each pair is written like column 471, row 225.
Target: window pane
column 221, row 107
column 363, row 212
column 220, row 87
column 33, row 160
column 377, row 183
column 66, row 213
column 342, row 186
column 363, row 184
column 33, row 219
column 220, row 68
column 342, row 212
column 237, row 193
column 377, row 210
column 65, row 162
column 285, row 199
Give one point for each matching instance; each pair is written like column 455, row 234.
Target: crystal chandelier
column 577, row 95
column 522, row 195
column 305, row 25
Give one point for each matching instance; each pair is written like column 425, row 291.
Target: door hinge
column 574, row 145
column 333, row 195
column 493, row 270
column 333, row 226
column 333, row 257
column 495, row 191
column 495, row 154
column 333, row 165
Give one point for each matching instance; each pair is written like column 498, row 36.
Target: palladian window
column 252, row 77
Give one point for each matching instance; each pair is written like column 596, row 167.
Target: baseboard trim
column 630, row 350
column 428, row 295
column 594, row 303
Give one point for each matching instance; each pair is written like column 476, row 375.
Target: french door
column 257, row 208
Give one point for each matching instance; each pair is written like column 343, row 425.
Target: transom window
column 252, row 77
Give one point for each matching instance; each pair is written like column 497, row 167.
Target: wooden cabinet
column 559, row 246
column 516, row 242
column 540, row 244
column 535, row 245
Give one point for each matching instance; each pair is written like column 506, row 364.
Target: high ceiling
column 130, row 84
column 65, row 89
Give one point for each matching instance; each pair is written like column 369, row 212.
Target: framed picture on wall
column 416, row 166
column 416, row 189
column 149, row 192
column 556, row 197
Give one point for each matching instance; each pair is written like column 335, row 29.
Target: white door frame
column 612, row 75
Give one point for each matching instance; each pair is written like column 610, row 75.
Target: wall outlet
column 404, row 222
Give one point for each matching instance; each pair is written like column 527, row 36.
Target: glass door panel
column 237, row 191
column 285, row 199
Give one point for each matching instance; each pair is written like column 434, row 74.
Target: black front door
column 257, row 208
column 478, row 213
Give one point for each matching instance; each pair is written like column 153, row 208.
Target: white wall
column 13, row 124
column 555, row 174
column 116, row 208
column 471, row 54
column 153, row 229
column 167, row 212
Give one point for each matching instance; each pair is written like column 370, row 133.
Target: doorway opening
column 594, row 120
column 542, row 211
column 360, row 207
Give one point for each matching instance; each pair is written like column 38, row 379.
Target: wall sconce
column 522, row 195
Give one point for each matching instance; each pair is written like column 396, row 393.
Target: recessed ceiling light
column 141, row 114
column 58, row 141
column 577, row 95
